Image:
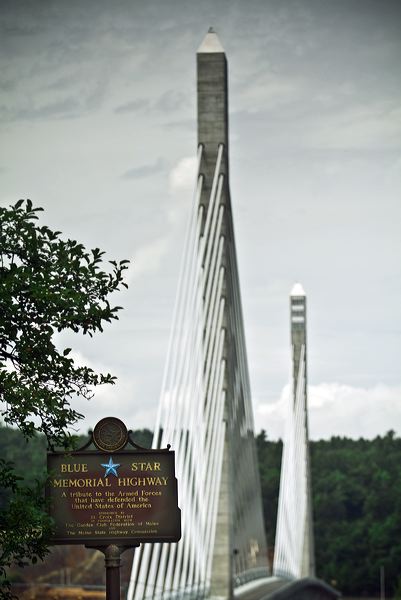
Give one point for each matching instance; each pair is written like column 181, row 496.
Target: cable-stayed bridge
column 205, row 409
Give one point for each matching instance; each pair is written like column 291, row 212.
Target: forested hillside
column 356, row 487
column 29, row 457
column 356, row 502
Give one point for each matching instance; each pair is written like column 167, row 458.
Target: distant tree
column 356, row 489
column 357, row 512
column 47, row 285
column 397, row 595
column 269, row 455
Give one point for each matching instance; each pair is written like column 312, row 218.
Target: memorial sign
column 114, row 495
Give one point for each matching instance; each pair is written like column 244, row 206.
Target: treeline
column 29, row 457
column 356, row 503
column 356, row 488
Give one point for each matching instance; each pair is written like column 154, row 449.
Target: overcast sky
column 97, row 118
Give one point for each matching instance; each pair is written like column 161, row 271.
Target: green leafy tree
column 269, row 455
column 357, row 512
column 397, row 595
column 47, row 285
column 356, row 488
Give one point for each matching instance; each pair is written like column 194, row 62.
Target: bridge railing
column 199, row 592
column 250, row 575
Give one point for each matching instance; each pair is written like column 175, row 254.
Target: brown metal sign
column 125, row 497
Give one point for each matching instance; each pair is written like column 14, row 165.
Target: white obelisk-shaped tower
column 300, row 394
column 205, row 409
column 294, row 555
column 239, row 539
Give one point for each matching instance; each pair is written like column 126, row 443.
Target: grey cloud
column 70, row 102
column 132, row 106
column 183, row 124
column 144, row 170
column 59, row 90
column 61, row 109
column 8, row 85
column 333, row 50
column 298, row 72
column 63, row 82
column 172, row 100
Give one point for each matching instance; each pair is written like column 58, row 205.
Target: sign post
column 113, row 497
column 112, row 561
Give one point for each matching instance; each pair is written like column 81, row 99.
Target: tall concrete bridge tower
column 294, row 548
column 205, row 410
column 240, row 543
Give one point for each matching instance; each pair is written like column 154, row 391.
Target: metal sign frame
column 160, row 508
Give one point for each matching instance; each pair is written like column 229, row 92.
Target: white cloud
column 357, row 127
column 268, row 90
column 271, row 415
column 338, row 409
column 147, row 259
column 182, row 176
column 181, row 183
column 121, row 400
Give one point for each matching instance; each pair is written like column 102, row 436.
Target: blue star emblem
column 111, row 467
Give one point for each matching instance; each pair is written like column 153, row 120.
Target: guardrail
column 250, row 575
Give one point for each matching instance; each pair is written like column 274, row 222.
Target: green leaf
column 48, row 285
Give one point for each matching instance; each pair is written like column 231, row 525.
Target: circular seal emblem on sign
column 110, row 434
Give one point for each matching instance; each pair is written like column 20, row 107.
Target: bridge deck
column 254, row 590
column 274, row 588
